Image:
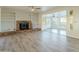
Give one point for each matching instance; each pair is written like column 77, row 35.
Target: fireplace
column 23, row 25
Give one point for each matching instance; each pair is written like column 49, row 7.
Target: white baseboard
column 73, row 35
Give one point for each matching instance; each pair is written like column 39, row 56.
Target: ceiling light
column 32, row 9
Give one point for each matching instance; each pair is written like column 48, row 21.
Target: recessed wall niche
column 71, row 12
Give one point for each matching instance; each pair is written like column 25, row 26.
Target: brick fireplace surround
column 18, row 22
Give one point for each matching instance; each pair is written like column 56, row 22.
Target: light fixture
column 33, row 8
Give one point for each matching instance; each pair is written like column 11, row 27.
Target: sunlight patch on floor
column 61, row 32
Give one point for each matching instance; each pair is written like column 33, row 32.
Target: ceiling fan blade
column 38, row 8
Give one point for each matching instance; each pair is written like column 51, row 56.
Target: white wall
column 40, row 20
column 75, row 23
column 0, row 19
column 7, row 20
column 75, row 19
column 35, row 20
column 21, row 15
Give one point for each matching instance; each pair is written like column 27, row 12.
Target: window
column 55, row 20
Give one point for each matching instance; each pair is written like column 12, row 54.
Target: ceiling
column 29, row 8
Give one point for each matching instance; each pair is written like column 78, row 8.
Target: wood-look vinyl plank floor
column 38, row 41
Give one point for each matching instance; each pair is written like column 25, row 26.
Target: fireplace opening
column 24, row 25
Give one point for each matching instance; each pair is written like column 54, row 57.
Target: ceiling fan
column 33, row 8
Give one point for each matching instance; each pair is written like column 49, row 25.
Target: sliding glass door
column 55, row 21
column 59, row 21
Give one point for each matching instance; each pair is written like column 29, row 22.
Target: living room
column 36, row 28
